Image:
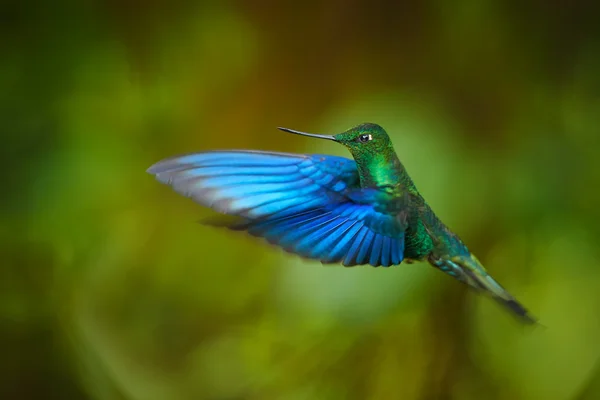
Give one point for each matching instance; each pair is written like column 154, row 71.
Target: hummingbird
column 361, row 211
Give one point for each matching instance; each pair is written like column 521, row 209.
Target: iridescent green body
column 329, row 208
column 379, row 167
column 426, row 236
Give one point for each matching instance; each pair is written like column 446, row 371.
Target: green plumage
column 332, row 209
column 426, row 236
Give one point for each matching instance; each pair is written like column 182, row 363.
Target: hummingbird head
column 364, row 138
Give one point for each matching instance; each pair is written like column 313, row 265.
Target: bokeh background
column 110, row 290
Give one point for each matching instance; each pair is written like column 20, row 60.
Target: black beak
column 328, row 137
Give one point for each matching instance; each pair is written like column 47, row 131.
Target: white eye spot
column 365, row 138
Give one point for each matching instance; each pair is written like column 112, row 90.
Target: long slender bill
column 328, row 137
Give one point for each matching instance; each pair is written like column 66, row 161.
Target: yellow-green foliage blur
column 111, row 290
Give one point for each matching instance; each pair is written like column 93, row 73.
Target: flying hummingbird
column 329, row 208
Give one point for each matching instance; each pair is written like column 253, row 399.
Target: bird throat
column 382, row 170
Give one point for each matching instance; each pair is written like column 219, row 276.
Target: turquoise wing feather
column 309, row 205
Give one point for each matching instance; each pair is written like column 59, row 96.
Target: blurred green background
column 110, row 290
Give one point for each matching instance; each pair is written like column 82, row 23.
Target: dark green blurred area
column 110, row 290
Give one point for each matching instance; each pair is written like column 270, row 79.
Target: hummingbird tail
column 481, row 280
column 469, row 270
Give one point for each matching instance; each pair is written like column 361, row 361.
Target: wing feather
column 310, row 205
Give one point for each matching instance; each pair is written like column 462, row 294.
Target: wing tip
column 158, row 167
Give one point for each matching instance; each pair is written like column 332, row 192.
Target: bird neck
column 382, row 170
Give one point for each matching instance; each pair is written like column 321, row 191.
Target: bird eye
column 365, row 138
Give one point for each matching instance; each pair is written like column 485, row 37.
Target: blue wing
column 307, row 204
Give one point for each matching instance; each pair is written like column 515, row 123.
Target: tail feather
column 502, row 296
column 479, row 277
column 470, row 271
